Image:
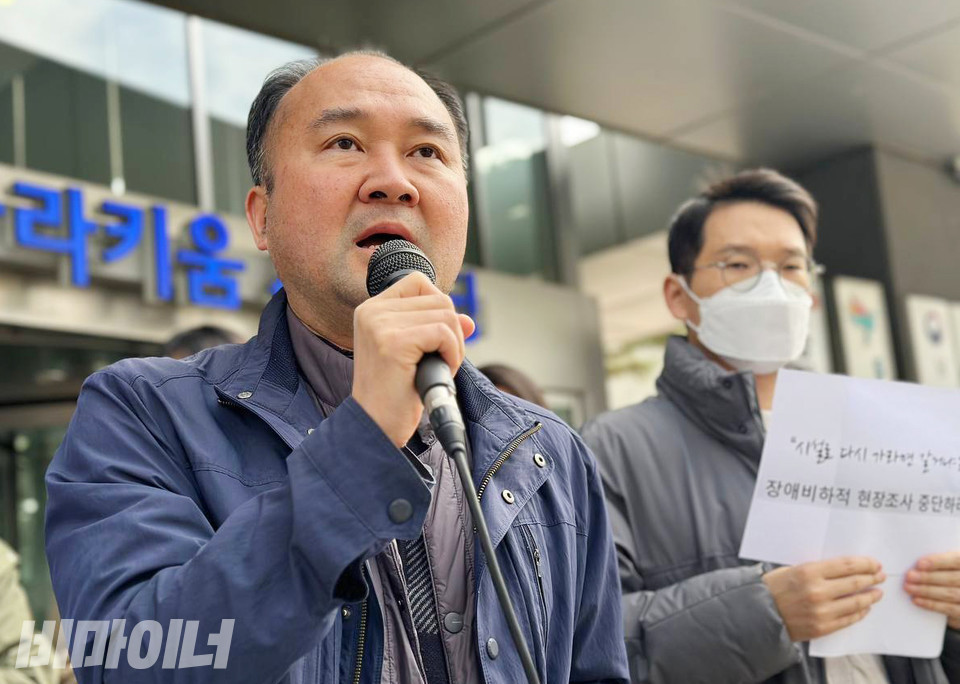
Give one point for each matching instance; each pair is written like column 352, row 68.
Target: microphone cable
column 390, row 262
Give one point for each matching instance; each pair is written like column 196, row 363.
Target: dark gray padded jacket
column 679, row 471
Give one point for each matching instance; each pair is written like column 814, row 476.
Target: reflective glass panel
column 236, row 62
column 75, row 125
column 511, row 169
column 593, row 195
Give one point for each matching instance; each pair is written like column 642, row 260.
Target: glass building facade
column 145, row 99
column 142, row 99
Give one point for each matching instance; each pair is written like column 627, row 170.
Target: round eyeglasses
column 741, row 272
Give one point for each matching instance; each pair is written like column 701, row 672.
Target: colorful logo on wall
column 862, row 318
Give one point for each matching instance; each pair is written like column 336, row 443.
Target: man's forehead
column 367, row 83
column 748, row 221
column 750, row 214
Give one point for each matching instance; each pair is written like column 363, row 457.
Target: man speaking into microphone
column 293, row 485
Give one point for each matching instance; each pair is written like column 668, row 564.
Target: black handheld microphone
column 389, row 263
column 392, row 261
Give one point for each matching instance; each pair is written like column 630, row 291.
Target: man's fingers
column 948, row 594
column 424, row 302
column 857, row 603
column 940, row 561
column 467, row 325
column 845, row 586
column 942, row 578
column 414, row 319
column 845, row 566
column 411, row 285
column 845, row 621
column 951, row 610
column 438, row 337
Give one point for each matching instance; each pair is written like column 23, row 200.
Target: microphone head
column 392, row 261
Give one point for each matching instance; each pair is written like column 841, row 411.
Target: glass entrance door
column 28, row 440
column 40, row 377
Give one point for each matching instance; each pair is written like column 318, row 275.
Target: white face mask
column 761, row 330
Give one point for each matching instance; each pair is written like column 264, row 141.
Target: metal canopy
column 766, row 81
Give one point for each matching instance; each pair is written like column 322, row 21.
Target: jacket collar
column 723, row 403
column 269, row 384
column 268, row 380
column 280, row 396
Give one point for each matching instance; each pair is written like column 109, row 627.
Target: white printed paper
column 857, row 467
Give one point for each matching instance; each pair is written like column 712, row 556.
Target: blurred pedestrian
column 189, row 342
column 14, row 611
column 514, row 381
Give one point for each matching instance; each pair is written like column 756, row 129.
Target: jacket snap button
column 346, row 613
column 493, row 649
column 727, row 383
column 453, row 622
column 508, row 496
column 244, row 395
column 400, row 511
column 743, row 429
column 310, row 431
column 539, row 460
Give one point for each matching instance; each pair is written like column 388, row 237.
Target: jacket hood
column 723, row 403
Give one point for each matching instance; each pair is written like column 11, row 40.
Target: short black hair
column 189, row 342
column 281, row 80
column 753, row 185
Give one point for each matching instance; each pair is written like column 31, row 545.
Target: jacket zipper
column 501, row 459
column 535, row 552
column 362, row 638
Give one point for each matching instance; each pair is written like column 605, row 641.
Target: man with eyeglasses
column 679, row 469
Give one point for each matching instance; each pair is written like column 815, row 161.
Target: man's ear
column 256, row 206
column 681, row 306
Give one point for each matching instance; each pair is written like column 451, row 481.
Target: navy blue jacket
column 212, row 488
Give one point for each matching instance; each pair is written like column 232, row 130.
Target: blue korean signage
column 465, row 300
column 56, row 223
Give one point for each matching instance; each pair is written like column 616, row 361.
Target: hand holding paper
column 855, row 467
column 816, row 599
column 935, row 585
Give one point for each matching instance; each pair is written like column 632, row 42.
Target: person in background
column 189, row 342
column 14, row 611
column 679, row 469
column 514, row 381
